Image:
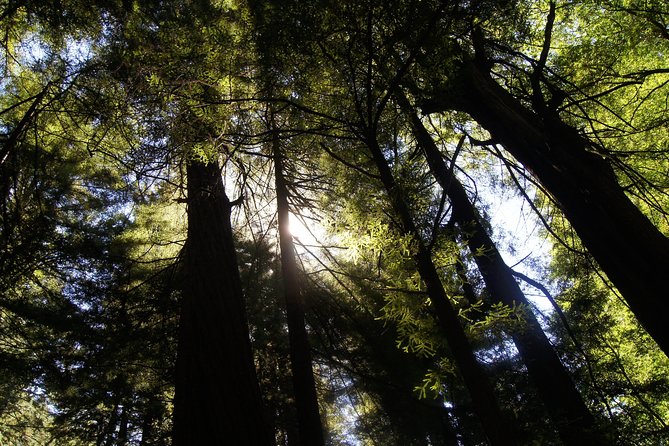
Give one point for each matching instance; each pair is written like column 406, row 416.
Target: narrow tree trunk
column 414, row 421
column 494, row 423
column 151, row 411
column 10, row 140
column 107, row 438
column 633, row 253
column 568, row 412
column 123, row 427
column 217, row 398
column 9, row 164
column 306, row 400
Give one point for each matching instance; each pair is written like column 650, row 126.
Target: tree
column 212, row 328
column 309, row 422
column 565, row 405
column 576, row 171
column 146, row 150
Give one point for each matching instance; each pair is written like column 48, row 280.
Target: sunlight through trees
column 303, row 223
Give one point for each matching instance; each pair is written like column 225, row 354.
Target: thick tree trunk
column 568, row 412
column 632, row 252
column 217, row 398
column 494, row 423
column 308, row 417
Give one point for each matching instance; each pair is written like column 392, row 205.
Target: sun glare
column 307, row 231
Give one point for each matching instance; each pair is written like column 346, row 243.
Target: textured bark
column 569, row 414
column 632, row 252
column 494, row 423
column 308, row 417
column 217, row 398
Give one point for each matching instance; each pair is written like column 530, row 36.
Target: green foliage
column 621, row 370
column 92, row 223
column 433, row 385
column 26, row 423
column 500, row 318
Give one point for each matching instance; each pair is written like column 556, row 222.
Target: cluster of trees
column 154, row 153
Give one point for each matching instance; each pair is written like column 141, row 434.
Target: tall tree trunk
column 571, row 417
column 9, row 165
column 10, row 140
column 389, row 376
column 309, row 422
column 217, row 398
column 123, row 427
column 494, row 423
column 633, row 253
column 107, row 437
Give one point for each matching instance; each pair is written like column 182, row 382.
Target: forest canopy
column 315, row 222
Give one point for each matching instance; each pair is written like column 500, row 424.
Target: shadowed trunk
column 629, row 248
column 10, row 166
column 217, row 399
column 123, row 427
column 383, row 371
column 568, row 412
column 306, row 399
column 497, row 428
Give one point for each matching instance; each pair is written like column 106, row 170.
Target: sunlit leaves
column 94, row 213
column 433, row 384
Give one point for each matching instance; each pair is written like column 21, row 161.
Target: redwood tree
column 306, row 400
column 575, row 171
column 217, row 398
column 565, row 405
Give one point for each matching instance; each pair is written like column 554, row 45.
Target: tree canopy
column 334, row 222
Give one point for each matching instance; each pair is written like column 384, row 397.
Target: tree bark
column 217, row 398
column 569, row 414
column 495, row 425
column 632, row 252
column 306, row 400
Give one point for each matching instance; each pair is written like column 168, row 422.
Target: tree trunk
column 217, row 398
column 123, row 427
column 494, row 423
column 568, row 412
column 632, row 252
column 308, row 418
column 107, row 437
column 9, row 165
column 389, row 376
column 11, row 139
